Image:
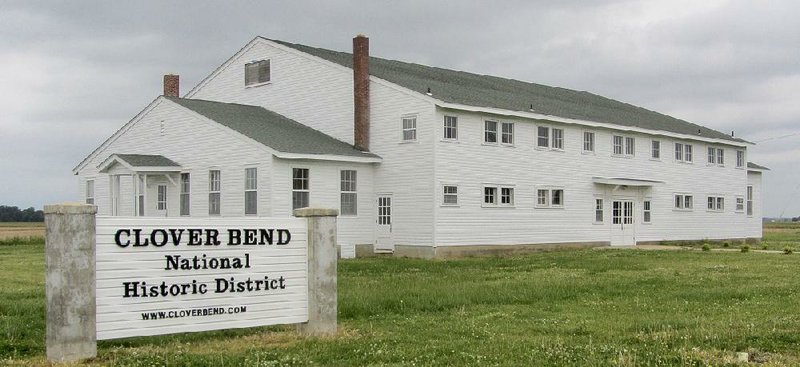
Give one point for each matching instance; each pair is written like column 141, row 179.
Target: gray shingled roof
column 757, row 166
column 271, row 129
column 146, row 160
column 490, row 91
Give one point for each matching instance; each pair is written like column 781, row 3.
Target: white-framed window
column 161, row 202
column 588, row 141
column 558, row 138
column 684, row 201
column 720, row 156
column 749, row 200
column 449, row 195
column 617, row 143
column 498, row 196
column 740, row 204
column 349, row 194
column 547, row 197
column 647, row 213
column 185, row 193
column 542, row 137
column 507, row 133
column 140, row 195
column 630, row 146
column 256, row 72
column 598, row 210
column 715, row 203
column 490, row 132
column 450, row 127
column 740, row 159
column 300, row 188
column 409, row 128
column 90, row 192
column 623, row 145
column 655, row 149
column 251, row 191
column 683, row 152
column 547, row 137
column 214, row 191
column 712, row 155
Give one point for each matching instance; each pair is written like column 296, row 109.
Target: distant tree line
column 14, row 214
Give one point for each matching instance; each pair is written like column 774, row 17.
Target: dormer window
column 256, row 72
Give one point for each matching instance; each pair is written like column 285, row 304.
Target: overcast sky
column 73, row 72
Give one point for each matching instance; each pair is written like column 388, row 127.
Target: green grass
column 777, row 236
column 586, row 307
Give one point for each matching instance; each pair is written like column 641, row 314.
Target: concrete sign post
column 113, row 277
column 70, row 281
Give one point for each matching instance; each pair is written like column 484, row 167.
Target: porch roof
column 624, row 181
column 140, row 163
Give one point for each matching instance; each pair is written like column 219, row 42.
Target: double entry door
column 623, row 227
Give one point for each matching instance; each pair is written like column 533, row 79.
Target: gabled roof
column 271, row 129
column 459, row 87
column 753, row 166
column 140, row 163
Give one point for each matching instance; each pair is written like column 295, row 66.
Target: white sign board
column 169, row 275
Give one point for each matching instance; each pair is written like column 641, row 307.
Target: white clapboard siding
column 525, row 168
column 118, row 316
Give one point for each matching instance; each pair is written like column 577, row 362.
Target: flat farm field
column 561, row 308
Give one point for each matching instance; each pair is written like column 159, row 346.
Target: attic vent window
column 256, row 72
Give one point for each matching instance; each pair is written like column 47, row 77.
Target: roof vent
column 531, row 109
column 429, row 92
column 732, row 134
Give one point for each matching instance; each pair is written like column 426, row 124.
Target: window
column 543, row 137
column 683, row 152
column 646, row 212
column 550, row 198
column 655, row 149
column 140, row 196
column 630, row 146
column 507, row 132
column 598, row 210
column 490, row 132
column 740, row 204
column 256, row 72
column 450, row 127
column 716, row 203
column 214, row 191
column 749, row 200
column 90, row 192
column 410, row 128
column 617, row 145
column 712, row 155
column 450, row 195
column 558, row 138
column 161, row 203
column 684, row 201
column 300, row 191
column 185, row 190
column 507, row 196
column 250, row 191
column 720, row 156
column 739, row 158
column 490, row 195
column 349, row 195
column 588, row 141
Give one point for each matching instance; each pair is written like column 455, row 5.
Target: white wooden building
column 423, row 161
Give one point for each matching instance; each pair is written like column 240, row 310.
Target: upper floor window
column 624, row 145
column 251, row 191
column 450, row 127
column 739, row 158
column 349, row 195
column 507, row 133
column 214, row 192
column 588, row 141
column 409, row 128
column 547, row 137
column 655, row 149
column 256, row 72
column 90, row 192
column 450, row 195
column 683, row 152
column 716, row 156
column 300, row 188
column 490, row 132
column 720, row 156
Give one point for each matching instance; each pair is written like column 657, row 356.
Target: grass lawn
column 586, row 307
column 777, row 237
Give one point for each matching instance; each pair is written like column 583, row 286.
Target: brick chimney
column 171, row 85
column 361, row 92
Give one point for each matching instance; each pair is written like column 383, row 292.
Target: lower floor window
column 491, row 193
column 598, row 210
column 162, row 197
column 646, row 216
column 550, row 198
column 450, row 195
column 716, row 203
column 739, row 204
column 684, row 201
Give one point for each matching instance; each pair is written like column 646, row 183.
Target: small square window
column 256, row 72
column 507, row 196
column 450, row 195
column 490, row 195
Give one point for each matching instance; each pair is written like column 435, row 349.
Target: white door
column 383, row 236
column 623, row 229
